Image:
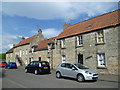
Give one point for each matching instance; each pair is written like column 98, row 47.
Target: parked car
column 77, row 71
column 11, row 65
column 3, row 64
column 38, row 67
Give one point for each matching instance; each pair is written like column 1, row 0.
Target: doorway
column 80, row 58
column 39, row 58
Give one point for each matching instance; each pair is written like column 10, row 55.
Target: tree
column 3, row 56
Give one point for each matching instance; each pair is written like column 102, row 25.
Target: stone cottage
column 93, row 43
column 22, row 53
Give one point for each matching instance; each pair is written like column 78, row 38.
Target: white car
column 77, row 71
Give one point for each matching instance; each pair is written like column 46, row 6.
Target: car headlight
column 87, row 72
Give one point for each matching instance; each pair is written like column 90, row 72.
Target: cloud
column 53, row 10
column 8, row 40
column 51, row 32
column 48, row 33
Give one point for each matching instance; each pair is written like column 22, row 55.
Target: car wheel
column 80, row 78
column 36, row 72
column 58, row 74
column 26, row 70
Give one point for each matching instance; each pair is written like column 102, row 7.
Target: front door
column 39, row 58
column 80, row 58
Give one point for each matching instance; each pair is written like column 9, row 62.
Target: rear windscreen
column 44, row 63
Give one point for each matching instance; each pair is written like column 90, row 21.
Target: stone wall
column 10, row 57
column 42, row 54
column 24, row 58
column 90, row 50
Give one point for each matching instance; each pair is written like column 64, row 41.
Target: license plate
column 45, row 67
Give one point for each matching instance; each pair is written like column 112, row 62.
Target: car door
column 30, row 67
column 73, row 71
column 35, row 66
column 62, row 69
column 69, row 71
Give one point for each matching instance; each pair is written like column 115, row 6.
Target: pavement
column 108, row 77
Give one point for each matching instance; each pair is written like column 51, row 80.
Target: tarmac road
column 17, row 78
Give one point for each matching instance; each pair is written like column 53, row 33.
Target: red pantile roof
column 44, row 43
column 10, row 51
column 99, row 22
column 26, row 41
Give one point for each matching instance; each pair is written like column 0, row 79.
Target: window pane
column 101, row 60
column 63, row 43
column 100, row 37
column 63, row 65
column 79, row 40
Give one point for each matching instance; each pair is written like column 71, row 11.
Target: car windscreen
column 80, row 66
column 11, row 63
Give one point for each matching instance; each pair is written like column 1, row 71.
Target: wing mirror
column 73, row 68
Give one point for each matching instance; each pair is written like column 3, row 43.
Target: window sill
column 79, row 46
column 99, row 43
column 101, row 67
column 63, row 48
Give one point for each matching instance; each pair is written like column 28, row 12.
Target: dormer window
column 79, row 40
column 63, row 43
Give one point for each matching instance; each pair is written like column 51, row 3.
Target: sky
column 25, row 18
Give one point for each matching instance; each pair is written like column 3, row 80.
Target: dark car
column 3, row 64
column 11, row 65
column 38, row 67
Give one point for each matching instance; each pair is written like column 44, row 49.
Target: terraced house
column 93, row 42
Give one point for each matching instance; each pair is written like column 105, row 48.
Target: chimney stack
column 65, row 25
column 13, row 45
column 39, row 31
column 23, row 37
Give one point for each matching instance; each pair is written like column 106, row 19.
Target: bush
column 3, row 56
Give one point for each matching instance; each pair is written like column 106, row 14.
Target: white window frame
column 49, row 60
column 49, row 47
column 32, row 49
column 23, row 52
column 63, row 58
column 100, row 37
column 26, row 52
column 79, row 40
column 32, row 59
column 20, row 53
column 63, row 43
column 101, row 60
